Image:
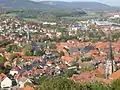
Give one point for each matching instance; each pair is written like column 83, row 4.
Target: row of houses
column 72, row 51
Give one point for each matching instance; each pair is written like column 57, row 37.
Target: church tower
column 110, row 64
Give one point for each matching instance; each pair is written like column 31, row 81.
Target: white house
column 13, row 72
column 116, row 16
column 49, row 23
column 23, row 81
column 6, row 83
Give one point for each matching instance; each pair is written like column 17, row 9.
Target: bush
column 86, row 59
column 70, row 72
column 116, row 84
column 58, row 83
column 61, row 83
column 95, row 86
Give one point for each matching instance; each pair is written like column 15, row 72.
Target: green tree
column 2, row 60
column 1, row 70
column 95, row 86
column 11, row 48
column 27, row 49
column 61, row 53
column 70, row 72
column 58, row 83
column 7, row 69
column 86, row 59
column 116, row 84
column 39, row 53
column 28, row 53
column 13, row 56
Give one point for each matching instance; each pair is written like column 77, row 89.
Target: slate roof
column 88, row 48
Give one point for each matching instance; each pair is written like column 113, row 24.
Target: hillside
column 80, row 5
column 54, row 5
column 23, row 4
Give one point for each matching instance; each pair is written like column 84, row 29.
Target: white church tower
column 110, row 64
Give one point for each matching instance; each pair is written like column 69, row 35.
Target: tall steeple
column 110, row 68
column 110, row 55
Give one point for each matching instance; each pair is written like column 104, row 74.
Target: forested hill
column 54, row 5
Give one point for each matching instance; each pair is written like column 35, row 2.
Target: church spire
column 110, row 53
column 110, row 59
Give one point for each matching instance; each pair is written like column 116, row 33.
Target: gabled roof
column 88, row 48
column 15, row 69
column 83, row 77
column 2, row 76
column 2, row 49
column 7, row 55
column 67, row 58
column 94, row 51
column 101, row 45
column 24, row 79
column 115, row 75
column 71, row 50
column 28, row 88
column 27, row 57
column 100, row 71
column 7, row 63
column 106, row 81
column 87, row 76
column 19, row 53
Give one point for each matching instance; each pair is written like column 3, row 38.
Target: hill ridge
column 55, row 5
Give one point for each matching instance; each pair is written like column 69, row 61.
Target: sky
column 108, row 2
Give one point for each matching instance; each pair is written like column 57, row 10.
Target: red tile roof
column 87, row 76
column 28, row 88
column 2, row 49
column 32, row 57
column 19, row 53
column 115, row 75
column 106, row 81
column 2, row 76
column 94, row 52
column 27, row 57
column 67, row 58
column 100, row 71
column 7, row 55
column 83, row 77
column 101, row 45
column 7, row 63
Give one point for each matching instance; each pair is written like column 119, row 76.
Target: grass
column 32, row 20
column 86, row 17
column 9, row 15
